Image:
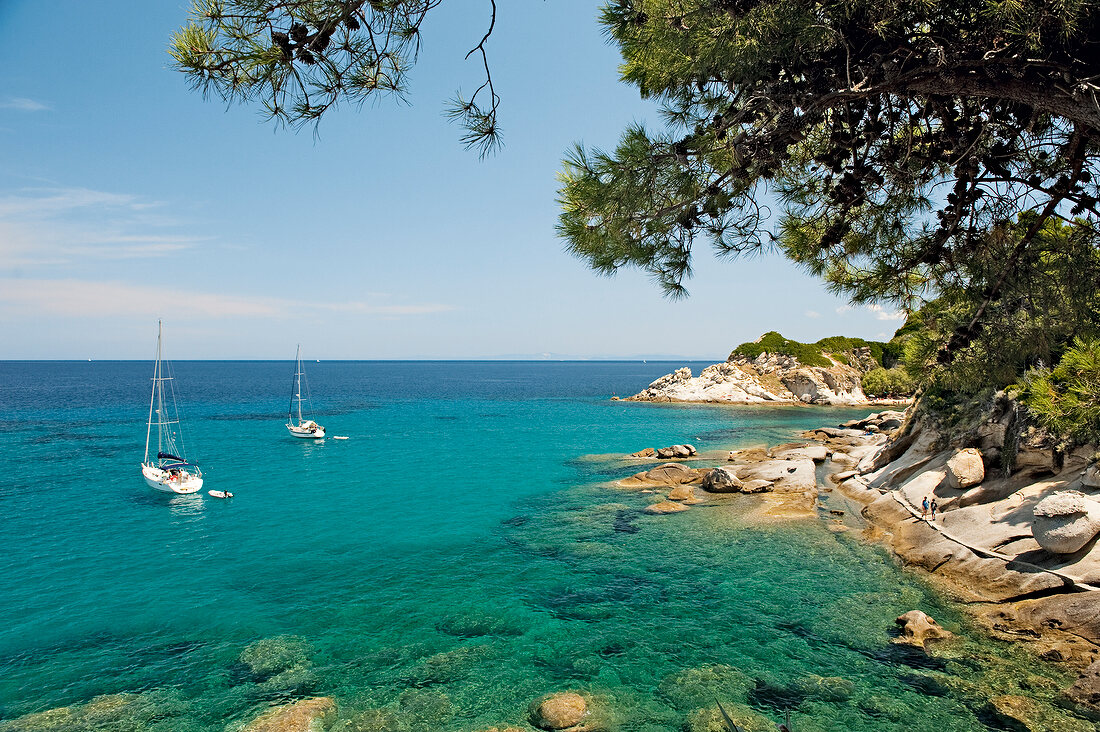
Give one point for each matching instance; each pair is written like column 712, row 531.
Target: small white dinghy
column 220, row 494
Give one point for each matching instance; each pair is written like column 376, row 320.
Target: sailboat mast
column 152, row 395
column 161, row 418
column 298, row 368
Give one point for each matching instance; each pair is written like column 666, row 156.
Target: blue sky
column 125, row 197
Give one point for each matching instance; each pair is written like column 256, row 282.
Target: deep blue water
column 461, row 554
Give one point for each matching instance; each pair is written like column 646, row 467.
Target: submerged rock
column 1022, row 713
column 918, row 628
column 666, row 507
column 426, row 707
column 694, row 688
column 1065, row 522
column 307, row 715
column 681, row 493
column 125, row 711
column 711, row 720
column 270, row 656
column 559, row 711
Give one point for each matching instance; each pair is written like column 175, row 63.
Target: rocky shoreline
column 1018, row 547
column 770, row 378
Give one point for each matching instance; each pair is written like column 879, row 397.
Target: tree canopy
column 938, row 154
column 896, row 138
column 300, row 58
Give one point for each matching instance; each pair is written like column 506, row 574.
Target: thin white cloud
column 878, row 311
column 883, row 314
column 40, row 202
column 369, row 309
column 53, row 226
column 73, row 298
column 22, row 104
column 812, row 314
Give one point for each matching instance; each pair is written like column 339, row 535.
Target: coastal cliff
column 767, row 378
column 775, row 369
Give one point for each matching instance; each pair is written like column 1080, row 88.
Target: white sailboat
column 304, row 428
column 168, row 470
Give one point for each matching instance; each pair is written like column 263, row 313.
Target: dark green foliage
column 898, row 137
column 773, row 342
column 1066, row 399
column 1036, row 316
column 809, row 354
column 300, row 58
column 894, row 382
column 840, row 344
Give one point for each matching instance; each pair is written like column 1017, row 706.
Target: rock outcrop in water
column 767, row 378
column 778, row 370
column 1015, row 533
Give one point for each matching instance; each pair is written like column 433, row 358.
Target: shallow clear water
column 461, row 554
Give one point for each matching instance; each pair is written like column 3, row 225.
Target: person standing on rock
column 934, row 506
column 924, row 509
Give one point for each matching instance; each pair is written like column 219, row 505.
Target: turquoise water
column 461, row 554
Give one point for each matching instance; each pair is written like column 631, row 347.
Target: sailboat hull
column 306, row 434
column 161, row 480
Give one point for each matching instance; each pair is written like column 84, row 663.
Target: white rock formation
column 767, row 378
column 1065, row 521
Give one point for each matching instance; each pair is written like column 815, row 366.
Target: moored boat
column 302, row 427
column 169, row 470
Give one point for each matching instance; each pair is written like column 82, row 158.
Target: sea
column 464, row 552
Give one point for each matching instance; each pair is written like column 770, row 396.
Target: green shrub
column 893, row 382
column 1066, row 400
column 773, row 342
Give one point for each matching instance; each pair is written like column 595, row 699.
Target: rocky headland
column 1015, row 538
column 774, row 370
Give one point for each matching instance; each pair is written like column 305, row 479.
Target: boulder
column 307, row 715
column 722, row 480
column 965, row 469
column 918, row 628
column 675, row 451
column 1065, row 522
column 681, row 493
column 1091, row 478
column 668, row 474
column 1086, row 690
column 648, row 452
column 665, row 507
column 756, row 485
column 558, row 711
